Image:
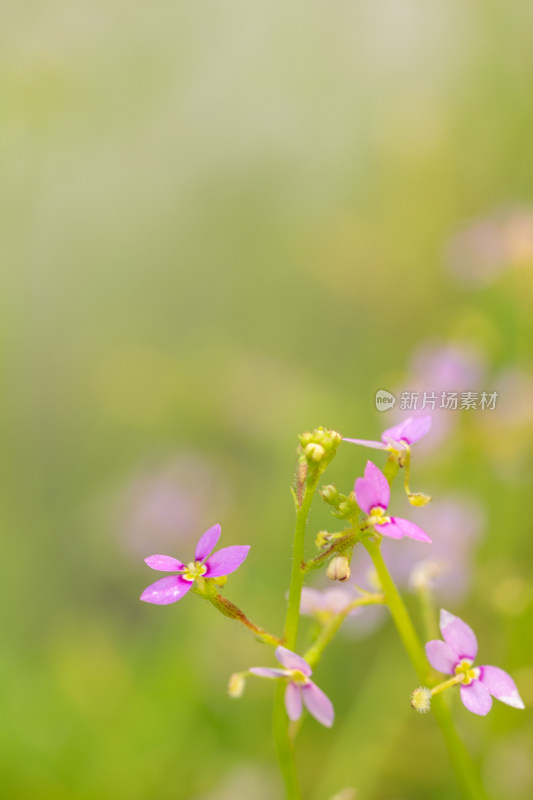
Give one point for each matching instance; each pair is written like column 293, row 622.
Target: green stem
column 465, row 771
column 297, row 574
column 229, row 609
column 314, row 654
column 429, row 616
column 343, row 542
column 399, row 612
column 284, row 743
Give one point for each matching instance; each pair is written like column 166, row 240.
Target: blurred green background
column 223, row 224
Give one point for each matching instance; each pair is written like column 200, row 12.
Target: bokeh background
column 223, row 224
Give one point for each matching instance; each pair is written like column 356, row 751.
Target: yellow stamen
column 194, row 569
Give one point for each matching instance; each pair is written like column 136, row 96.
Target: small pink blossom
column 400, row 436
column 300, row 689
column 456, row 655
column 174, row 587
column 325, row 603
column 373, row 494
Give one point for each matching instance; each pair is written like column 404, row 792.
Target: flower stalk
column 465, row 771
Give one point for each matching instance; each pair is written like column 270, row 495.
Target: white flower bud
column 338, row 569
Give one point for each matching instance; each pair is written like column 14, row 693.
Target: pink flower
column 326, row 603
column 400, row 436
column 455, row 655
column 299, row 687
column 174, row 587
column 373, row 494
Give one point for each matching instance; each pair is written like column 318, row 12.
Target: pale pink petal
column 165, row 563
column 411, row 430
column 380, row 483
column 501, row 686
column 365, row 494
column 441, row 656
column 397, row 432
column 367, row 443
column 207, row 542
column 476, row 698
column 311, row 601
column 416, row 429
column 293, row 701
column 226, row 561
column 166, row 590
column 390, row 529
column 458, row 635
column 410, row 529
column 318, row 704
column 269, row 672
column 290, row 660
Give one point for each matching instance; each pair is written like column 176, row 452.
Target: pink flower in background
column 299, row 688
column 486, row 248
column 447, row 367
column 174, row 587
column 326, row 603
column 455, row 655
column 437, row 375
column 373, row 495
column 455, row 524
column 477, row 255
column 404, row 434
column 164, row 501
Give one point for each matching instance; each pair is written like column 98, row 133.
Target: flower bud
column 338, row 569
column 330, row 494
column 314, row 452
column 421, row 699
column 323, row 539
column 236, row 685
column 419, row 499
column 305, row 438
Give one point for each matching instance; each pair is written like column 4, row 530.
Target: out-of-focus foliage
column 222, row 224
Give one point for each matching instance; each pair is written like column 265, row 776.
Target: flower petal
column 380, row 483
column 501, row 686
column 417, row 428
column 226, row 561
column 458, row 635
column 411, row 430
column 207, row 542
column 365, row 494
column 290, row 660
column 318, row 704
column 164, row 563
column 410, row 529
column 269, row 672
column 367, row 443
column 293, row 701
column 476, row 698
column 390, row 529
column 441, row 656
column 311, row 601
column 397, row 432
column 166, row 590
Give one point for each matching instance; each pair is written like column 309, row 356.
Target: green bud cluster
column 343, row 506
column 319, row 446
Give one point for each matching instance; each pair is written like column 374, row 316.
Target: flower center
column 298, row 677
column 471, row 673
column 193, row 570
column 377, row 516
